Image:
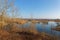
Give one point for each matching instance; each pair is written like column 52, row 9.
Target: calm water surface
column 44, row 28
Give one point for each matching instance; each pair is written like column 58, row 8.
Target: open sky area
column 47, row 9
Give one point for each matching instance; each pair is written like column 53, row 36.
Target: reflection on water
column 45, row 28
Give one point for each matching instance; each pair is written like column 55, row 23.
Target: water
column 45, row 28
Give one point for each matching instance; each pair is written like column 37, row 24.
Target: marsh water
column 41, row 27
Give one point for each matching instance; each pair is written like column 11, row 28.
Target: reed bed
column 12, row 32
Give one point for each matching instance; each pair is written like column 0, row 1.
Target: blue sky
column 49, row 9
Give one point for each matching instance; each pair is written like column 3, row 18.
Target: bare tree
column 7, row 7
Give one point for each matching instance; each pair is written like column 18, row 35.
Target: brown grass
column 57, row 28
column 14, row 34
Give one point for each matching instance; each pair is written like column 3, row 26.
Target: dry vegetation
column 12, row 32
column 9, row 30
column 57, row 28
